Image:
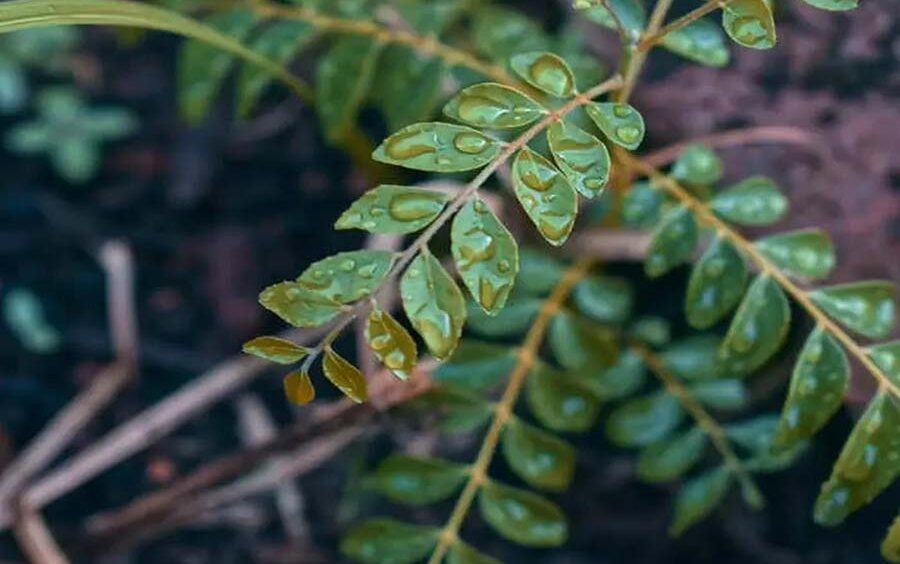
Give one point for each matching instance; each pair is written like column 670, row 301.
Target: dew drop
column 748, row 30
column 621, row 111
column 411, row 143
column 628, row 134
column 485, row 111
column 555, row 227
column 470, row 143
column 412, row 207
column 547, row 72
column 503, row 266
column 367, row 271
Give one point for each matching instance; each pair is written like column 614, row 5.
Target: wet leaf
column 806, row 252
column 887, row 357
column 672, row 243
column 630, row 13
column 833, row 5
column 391, row 343
column 753, row 201
column 577, row 344
column 275, row 349
column 620, row 123
column 698, row 498
column 816, row 392
column 890, row 546
column 433, row 303
column 581, row 157
column 749, row 23
column 671, row 458
column 546, row 72
column 438, row 147
column 279, row 42
column 461, row 553
column 343, row 78
column 693, row 358
column 514, row 319
column 298, row 305
column 758, row 329
column 642, row 205
column 620, row 380
column 476, row 364
column 539, row 273
column 716, row 285
column 400, row 66
column 549, row 200
column 604, row 298
column 299, row 388
column 387, row 541
column 701, row 41
column 415, row 480
column 460, row 410
column 541, row 459
column 493, row 106
column 655, row 331
column 698, row 165
column 645, row 420
column 349, row 276
column 559, row 401
column 346, row 377
column 393, row 209
column 865, row 307
column 521, row 516
column 725, row 394
column 868, row 463
column 486, row 255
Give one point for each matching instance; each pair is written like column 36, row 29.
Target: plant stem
column 651, row 38
column 702, row 212
column 635, row 57
column 527, row 354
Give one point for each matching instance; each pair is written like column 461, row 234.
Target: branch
column 652, row 37
column 35, row 539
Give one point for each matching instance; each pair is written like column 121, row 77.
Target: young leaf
column 805, row 252
column 753, row 201
column 438, row 147
column 398, row 67
column 620, row 380
column 514, row 319
column 548, row 199
column 890, row 547
column 621, row 123
column 865, row 307
column 645, row 420
column 349, row 276
column 698, row 498
column 461, row 553
column 580, row 156
column 604, row 298
column 493, row 106
column 758, row 329
column 693, row 358
column 275, row 349
column 816, row 392
column 299, row 388
column 670, row 458
column 538, row 272
column 486, row 255
column 298, row 305
column 749, row 23
column 391, row 343
column 701, row 41
column 642, row 205
column 342, row 81
column 716, row 285
column 698, row 165
column 476, row 364
column 521, row 516
column 541, row 459
column 672, row 242
column 433, row 303
column 726, row 394
column 387, row 541
column 577, row 344
column 887, row 357
column 415, row 480
column 868, row 463
column 346, row 377
column 393, row 209
column 546, row 72
column 559, row 401
column 833, row 5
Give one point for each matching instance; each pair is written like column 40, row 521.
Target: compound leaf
column 493, row 106
column 346, row 377
column 348, row 276
column 342, row 81
column 298, row 305
column 620, row 123
column 433, row 303
column 275, row 349
column 387, row 541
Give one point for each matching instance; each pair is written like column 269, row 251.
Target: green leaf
column 415, row 480
column 865, row 307
column 749, row 23
column 890, row 546
column 693, row 358
column 758, row 329
column 521, row 516
column 577, row 344
column 698, row 165
column 805, row 252
column 349, row 276
column 672, row 242
column 275, row 349
column 485, row 253
column 433, row 303
column 391, row 343
column 726, row 394
column 642, row 205
column 620, row 123
column 604, row 298
column 754, row 435
column 630, row 13
column 716, row 285
column 753, row 201
column 833, row 5
column 868, row 463
column 620, row 380
column 816, row 392
column 279, row 42
column 400, row 66
column 493, row 106
column 299, row 388
column 461, row 553
column 501, row 32
column 346, row 377
column 645, row 420
column 388, row 541
column 393, row 209
column 541, row 459
column 539, row 273
column 430, row 17
column 298, row 305
column 438, row 147
column 549, row 200
column 652, row 330
column 343, row 78
column 698, row 498
column 581, row 157
column 514, row 319
column 701, row 41
column 476, row 364
column 670, row 458
column 559, row 401
column 887, row 357
column 460, row 411
column 546, row 72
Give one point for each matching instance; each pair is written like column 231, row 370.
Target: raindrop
column 470, row 143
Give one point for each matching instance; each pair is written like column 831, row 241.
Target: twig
column 35, row 539
column 610, row 243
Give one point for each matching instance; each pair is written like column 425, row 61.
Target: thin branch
column 35, row 539
column 653, row 37
column 635, row 57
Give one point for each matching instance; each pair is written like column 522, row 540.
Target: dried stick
column 35, row 539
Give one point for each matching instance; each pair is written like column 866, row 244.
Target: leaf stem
column 652, row 38
column 702, row 212
column 635, row 57
column 527, row 354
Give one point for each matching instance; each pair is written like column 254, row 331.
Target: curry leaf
column 577, row 344
column 645, row 420
column 476, row 364
column 521, row 516
column 672, row 242
column 349, row 276
column 580, row 156
column 693, row 358
column 701, row 41
column 670, row 458
column 806, row 252
column 342, row 81
column 514, row 319
column 549, row 200
column 890, row 547
column 754, row 201
column 621, row 123
column 716, row 284
column 749, row 23
column 493, row 106
column 346, row 377
column 298, row 305
column 546, row 72
column 698, row 498
column 433, row 303
column 391, row 343
column 698, row 165
column 865, row 307
column 398, row 67
column 275, row 349
column 604, row 298
column 620, row 380
column 758, row 329
column 887, row 357
column 461, row 553
column 416, row 480
column 541, row 459
column 298, row 387
column 833, row 5
column 393, row 209
column 387, row 541
column 724, row 393
column 642, row 205
column 538, row 272
column 560, row 401
column 630, row 13
column 438, row 147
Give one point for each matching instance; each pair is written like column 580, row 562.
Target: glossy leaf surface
column 387, row 541
column 493, row 106
column 887, row 357
column 672, row 243
column 754, row 201
column 398, row 67
column 578, row 344
column 642, row 205
column 701, row 41
column 521, row 516
column 716, row 285
column 275, row 349
column 438, row 147
column 393, row 209
column 541, row 459
column 758, row 329
column 749, row 23
column 560, row 401
column 299, row 388
column 620, row 380
column 514, row 319
column 538, row 272
column 620, row 123
column 549, row 200
column 476, row 364
column 806, row 252
column 865, row 307
column 645, row 420
column 298, row 305
column 604, row 298
column 698, row 165
column 581, row 157
column 433, row 303
column 546, row 72
column 391, row 343
column 416, row 480
column 349, row 276
column 693, row 358
column 346, row 377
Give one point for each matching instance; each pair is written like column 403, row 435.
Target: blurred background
column 109, row 198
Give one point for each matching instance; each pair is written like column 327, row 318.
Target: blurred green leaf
column 887, row 357
column 500, row 32
column 758, row 329
column 890, row 547
column 630, row 13
column 514, row 319
column 400, row 66
column 415, row 480
column 865, row 307
column 753, row 201
column 388, row 541
column 461, row 553
column 672, row 243
column 698, row 165
column 833, row 5
column 343, row 78
column 560, row 401
column 539, row 273
column 716, row 285
column 541, row 459
column 620, row 380
column 644, row 420
column 725, row 394
column 693, row 358
column 806, row 252
column 578, row 344
column 698, row 498
column 521, row 516
column 604, row 298
column 642, row 205
column 670, row 458
column 476, row 364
